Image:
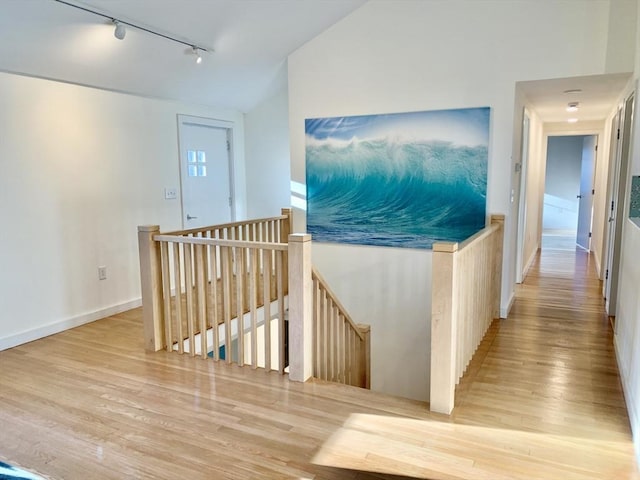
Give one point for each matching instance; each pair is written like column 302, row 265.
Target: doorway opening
column 568, row 193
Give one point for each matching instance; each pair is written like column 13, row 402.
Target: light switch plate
column 170, row 193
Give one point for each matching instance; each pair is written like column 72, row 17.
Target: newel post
column 497, row 271
column 151, row 283
column 365, row 379
column 443, row 328
column 300, row 308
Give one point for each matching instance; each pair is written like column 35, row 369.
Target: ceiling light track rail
column 116, row 21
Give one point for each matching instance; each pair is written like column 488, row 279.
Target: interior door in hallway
column 585, row 204
column 205, row 172
column 619, row 177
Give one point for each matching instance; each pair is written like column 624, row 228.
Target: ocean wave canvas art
column 401, row 180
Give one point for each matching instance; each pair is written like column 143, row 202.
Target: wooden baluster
column 253, row 304
column 266, row 299
column 336, row 343
column 324, row 337
column 366, row 355
column 281, row 313
column 214, row 318
column 240, row 300
column 347, row 354
column 354, row 357
column 316, row 328
column 177, row 279
column 225, row 262
column 166, row 294
column 330, row 343
column 188, row 282
column 340, row 346
column 200, row 272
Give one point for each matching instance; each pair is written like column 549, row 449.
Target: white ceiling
column 251, row 39
column 597, row 97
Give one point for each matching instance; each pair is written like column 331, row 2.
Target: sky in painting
column 462, row 127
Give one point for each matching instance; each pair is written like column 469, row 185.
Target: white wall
column 562, row 183
column 267, row 157
column 398, row 56
column 390, row 289
column 627, row 337
column 80, row 169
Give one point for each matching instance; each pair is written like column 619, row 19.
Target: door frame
column 543, row 139
column 570, row 131
column 190, row 120
column 522, row 202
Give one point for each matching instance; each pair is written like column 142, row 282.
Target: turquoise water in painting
column 394, row 192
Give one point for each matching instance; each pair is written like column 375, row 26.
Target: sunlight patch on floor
column 440, row 450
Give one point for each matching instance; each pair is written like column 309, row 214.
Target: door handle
column 578, row 196
column 189, row 217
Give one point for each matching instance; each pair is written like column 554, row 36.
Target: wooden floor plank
column 540, row 400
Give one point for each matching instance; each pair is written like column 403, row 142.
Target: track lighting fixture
column 120, row 30
column 197, row 54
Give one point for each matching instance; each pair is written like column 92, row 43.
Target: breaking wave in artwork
column 394, row 192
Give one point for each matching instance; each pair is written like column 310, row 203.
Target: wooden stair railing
column 342, row 349
column 218, row 289
column 222, row 287
column 465, row 299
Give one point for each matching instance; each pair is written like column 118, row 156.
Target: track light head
column 196, row 52
column 120, row 30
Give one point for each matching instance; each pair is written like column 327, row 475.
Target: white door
column 617, row 202
column 205, row 172
column 585, row 205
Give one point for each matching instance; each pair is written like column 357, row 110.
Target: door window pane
column 195, row 163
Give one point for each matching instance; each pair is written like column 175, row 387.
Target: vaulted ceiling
column 250, row 41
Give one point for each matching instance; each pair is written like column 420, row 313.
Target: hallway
column 551, row 367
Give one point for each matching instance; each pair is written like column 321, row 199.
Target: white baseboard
column 527, row 265
column 505, row 309
column 61, row 325
column 596, row 258
column 631, row 408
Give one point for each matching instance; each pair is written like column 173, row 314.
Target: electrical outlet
column 102, row 273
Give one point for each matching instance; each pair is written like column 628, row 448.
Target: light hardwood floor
column 541, row 400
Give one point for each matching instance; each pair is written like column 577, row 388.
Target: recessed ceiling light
column 572, row 107
column 572, row 120
column 573, row 90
